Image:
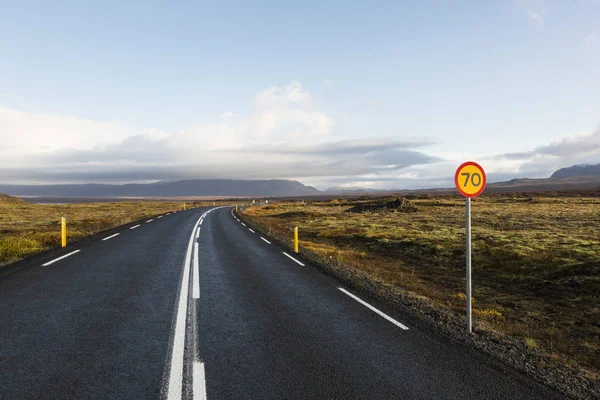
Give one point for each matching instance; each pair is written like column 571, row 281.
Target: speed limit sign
column 470, row 182
column 470, row 179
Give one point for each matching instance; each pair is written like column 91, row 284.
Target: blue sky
column 121, row 91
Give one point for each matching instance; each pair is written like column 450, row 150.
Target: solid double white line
column 176, row 372
column 175, row 381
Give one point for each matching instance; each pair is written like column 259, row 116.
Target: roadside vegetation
column 536, row 258
column 27, row 229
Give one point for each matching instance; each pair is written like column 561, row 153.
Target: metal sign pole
column 469, row 318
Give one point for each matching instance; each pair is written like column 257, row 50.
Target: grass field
column 536, row 259
column 27, row 229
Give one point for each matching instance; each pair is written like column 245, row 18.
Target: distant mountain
column 577, row 170
column 348, row 190
column 543, row 184
column 185, row 188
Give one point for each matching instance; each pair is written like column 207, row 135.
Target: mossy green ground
column 536, row 260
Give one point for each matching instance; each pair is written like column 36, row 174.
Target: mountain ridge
column 577, row 170
column 181, row 188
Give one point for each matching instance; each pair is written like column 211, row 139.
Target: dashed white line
column 201, row 221
column 111, row 236
column 196, row 282
column 199, row 381
column 298, row 262
column 150, row 220
column 159, row 217
column 198, row 232
column 133, row 227
column 265, row 240
column 370, row 307
column 251, row 230
column 168, row 213
column 60, row 258
column 243, row 224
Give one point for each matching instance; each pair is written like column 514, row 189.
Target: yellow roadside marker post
column 63, row 229
column 470, row 181
column 296, row 239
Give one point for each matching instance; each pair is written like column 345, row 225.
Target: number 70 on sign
column 470, row 179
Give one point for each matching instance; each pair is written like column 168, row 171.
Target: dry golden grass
column 536, row 260
column 27, row 229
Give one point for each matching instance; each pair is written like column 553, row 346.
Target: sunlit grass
column 27, row 229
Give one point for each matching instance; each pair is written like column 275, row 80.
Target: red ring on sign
column 473, row 163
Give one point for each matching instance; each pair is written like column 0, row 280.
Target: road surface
column 166, row 310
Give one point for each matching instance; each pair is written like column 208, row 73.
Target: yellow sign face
column 470, row 179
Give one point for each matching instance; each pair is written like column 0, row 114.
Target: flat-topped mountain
column 184, row 188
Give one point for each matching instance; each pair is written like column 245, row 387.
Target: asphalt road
column 162, row 311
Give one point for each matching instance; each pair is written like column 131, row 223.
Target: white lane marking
column 60, row 258
column 201, row 221
column 159, row 217
column 150, row 220
column 370, row 307
column 293, row 258
column 198, row 233
column 196, row 283
column 111, row 236
column 176, row 373
column 168, row 213
column 251, row 230
column 265, row 240
column 243, row 224
column 199, row 381
column 133, row 227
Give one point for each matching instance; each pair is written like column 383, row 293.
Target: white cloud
column 592, row 39
column 536, row 17
column 26, row 134
column 535, row 10
column 286, row 112
column 226, row 115
column 276, row 97
column 52, row 148
column 283, row 135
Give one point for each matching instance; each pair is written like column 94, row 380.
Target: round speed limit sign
column 470, row 179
